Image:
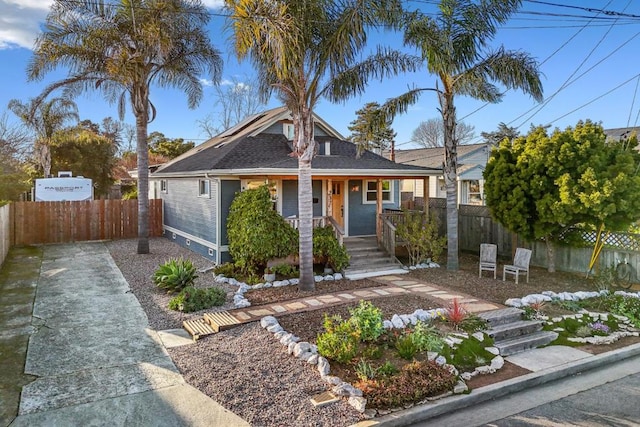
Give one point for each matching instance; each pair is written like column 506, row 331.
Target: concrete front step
column 372, row 260
column 526, row 342
column 502, row 316
column 515, row 329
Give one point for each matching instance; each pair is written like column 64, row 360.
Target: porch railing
column 320, row 221
column 388, row 238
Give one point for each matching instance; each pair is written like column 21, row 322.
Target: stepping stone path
column 390, row 285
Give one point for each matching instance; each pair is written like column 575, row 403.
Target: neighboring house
column 472, row 160
column 622, row 133
column 198, row 187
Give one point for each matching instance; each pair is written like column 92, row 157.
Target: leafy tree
column 369, row 133
column 504, row 131
column 539, row 186
column 305, row 51
column 44, row 118
column 14, row 179
column 454, row 44
column 123, row 48
column 167, row 147
column 430, row 133
column 86, row 154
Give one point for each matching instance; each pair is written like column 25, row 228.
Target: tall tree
column 430, row 133
column 86, row 153
column 44, row 118
column 503, row 131
column 304, row 50
column 454, row 44
column 370, row 133
column 169, row 148
column 14, row 179
column 541, row 185
column 123, row 49
column 235, row 101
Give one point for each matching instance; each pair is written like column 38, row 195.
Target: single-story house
column 472, row 159
column 198, row 187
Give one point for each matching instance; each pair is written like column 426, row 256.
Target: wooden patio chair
column 520, row 264
column 488, row 258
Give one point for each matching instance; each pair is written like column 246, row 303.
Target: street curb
column 493, row 391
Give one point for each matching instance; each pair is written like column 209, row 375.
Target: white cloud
column 20, row 21
column 206, row 82
column 213, row 4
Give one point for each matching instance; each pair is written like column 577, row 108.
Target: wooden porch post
column 425, row 195
column 379, row 209
column 329, row 197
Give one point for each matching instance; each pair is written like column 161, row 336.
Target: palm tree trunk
column 306, row 150
column 143, row 183
column 450, row 177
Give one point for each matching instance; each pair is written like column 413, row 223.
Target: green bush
column 227, row 269
column 406, row 347
column 175, row 275
column 340, row 341
column 256, row 232
column 285, row 270
column 624, row 306
column 364, row 370
column 427, row 338
column 367, row 320
column 419, row 232
column 326, row 246
column 191, row 299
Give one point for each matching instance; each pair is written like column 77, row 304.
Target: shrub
column 285, row 270
column 415, row 381
column 227, row 269
column 367, row 320
column 326, row 246
column 473, row 323
column 340, row 341
column 419, row 232
column 191, row 299
column 456, row 314
column 364, row 370
column 625, row 306
column 174, row 275
column 256, row 232
column 427, row 338
column 406, row 347
column 387, row 369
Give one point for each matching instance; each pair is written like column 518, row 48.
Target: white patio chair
column 488, row 258
column 520, row 264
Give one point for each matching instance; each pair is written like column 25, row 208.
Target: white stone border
column 239, row 300
column 309, row 353
column 422, row 265
column 547, row 296
column 626, row 329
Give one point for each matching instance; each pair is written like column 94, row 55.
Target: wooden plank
column 220, row 321
column 198, row 328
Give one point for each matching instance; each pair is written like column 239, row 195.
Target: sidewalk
column 93, row 357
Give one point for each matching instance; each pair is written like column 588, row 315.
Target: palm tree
column 455, row 48
column 306, row 50
column 44, row 118
column 122, row 49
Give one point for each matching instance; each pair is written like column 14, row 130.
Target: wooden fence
column 5, row 227
column 64, row 222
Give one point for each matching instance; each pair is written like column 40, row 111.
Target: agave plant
column 175, row 275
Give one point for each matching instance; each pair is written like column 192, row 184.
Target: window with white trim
column 163, row 185
column 370, row 193
column 204, row 188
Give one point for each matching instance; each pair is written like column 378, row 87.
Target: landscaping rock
column 323, row 366
column 460, row 387
column 330, row 379
column 319, row 278
column 290, row 347
column 387, row 324
column 338, row 276
column 358, row 403
column 267, row 321
column 397, row 322
column 274, row 328
column 346, row 389
column 497, row 363
column 300, row 348
column 313, row 360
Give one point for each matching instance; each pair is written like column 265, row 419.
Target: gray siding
column 362, row 217
column 196, row 247
column 290, row 198
column 185, row 211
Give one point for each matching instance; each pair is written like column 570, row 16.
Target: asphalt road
column 609, row 396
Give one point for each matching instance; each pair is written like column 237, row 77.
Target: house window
column 474, row 192
column 288, row 130
column 370, row 193
column 204, row 188
column 163, row 185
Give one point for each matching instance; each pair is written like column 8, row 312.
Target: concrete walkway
column 94, row 359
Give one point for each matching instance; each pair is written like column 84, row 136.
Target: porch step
column 512, row 330
column 525, row 342
column 502, row 316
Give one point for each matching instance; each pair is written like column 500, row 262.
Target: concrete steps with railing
column 366, row 259
column 512, row 334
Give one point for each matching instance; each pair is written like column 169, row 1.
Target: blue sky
column 588, row 61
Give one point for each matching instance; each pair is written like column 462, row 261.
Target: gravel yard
column 251, row 374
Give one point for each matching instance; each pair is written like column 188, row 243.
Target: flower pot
column 269, row 277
